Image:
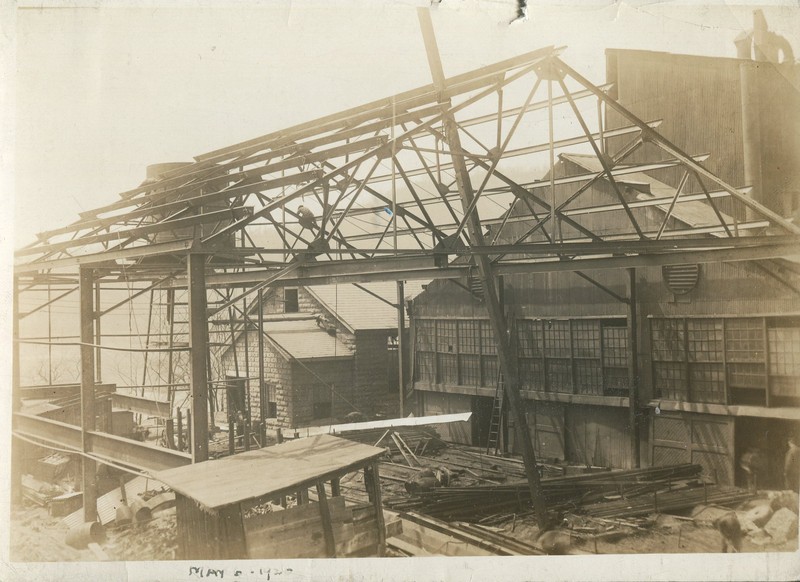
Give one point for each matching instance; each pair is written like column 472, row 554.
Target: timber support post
column 88, row 465
column 507, row 359
column 198, row 343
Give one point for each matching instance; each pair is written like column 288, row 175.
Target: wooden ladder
column 496, row 420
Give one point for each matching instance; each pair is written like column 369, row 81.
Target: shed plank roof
column 261, row 472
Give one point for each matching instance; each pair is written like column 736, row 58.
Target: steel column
column 401, row 326
column 89, row 466
column 633, row 367
column 198, row 342
column 507, row 359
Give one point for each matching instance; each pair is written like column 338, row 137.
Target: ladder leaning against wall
column 496, row 419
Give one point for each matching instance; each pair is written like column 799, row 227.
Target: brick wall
column 277, row 372
column 361, row 383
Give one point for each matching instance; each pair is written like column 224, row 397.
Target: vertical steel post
column 89, row 466
column 507, row 359
column 98, row 333
column 262, row 396
column 633, row 367
column 198, row 344
column 401, row 326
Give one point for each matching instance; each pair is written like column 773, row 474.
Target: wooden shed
column 233, row 508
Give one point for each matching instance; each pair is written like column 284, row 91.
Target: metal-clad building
column 718, row 344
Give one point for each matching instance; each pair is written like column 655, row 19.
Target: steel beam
column 675, row 151
column 507, row 358
column 115, row 449
column 484, row 77
column 139, row 231
column 146, row 406
column 89, row 467
column 149, row 250
column 198, row 343
column 633, row 368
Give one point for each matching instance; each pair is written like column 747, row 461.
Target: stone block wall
column 277, row 373
column 311, row 382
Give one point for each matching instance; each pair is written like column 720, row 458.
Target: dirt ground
column 38, row 537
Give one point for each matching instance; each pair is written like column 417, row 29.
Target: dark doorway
column 769, row 436
column 237, row 402
column 481, row 417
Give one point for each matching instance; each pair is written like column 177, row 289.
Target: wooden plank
column 269, row 472
column 363, row 512
column 408, row 547
column 359, row 541
column 282, row 518
column 327, row 528
column 373, row 475
column 233, row 543
column 401, row 449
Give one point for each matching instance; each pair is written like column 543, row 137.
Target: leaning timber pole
column 507, row 359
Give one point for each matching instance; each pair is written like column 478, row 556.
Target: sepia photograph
column 400, row 290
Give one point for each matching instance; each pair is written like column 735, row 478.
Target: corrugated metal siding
column 440, row 403
column 780, row 137
column 695, row 438
column 598, row 436
column 699, row 100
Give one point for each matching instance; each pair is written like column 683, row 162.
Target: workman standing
column 754, row 465
column 791, row 465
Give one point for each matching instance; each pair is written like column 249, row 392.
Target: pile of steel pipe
column 561, row 493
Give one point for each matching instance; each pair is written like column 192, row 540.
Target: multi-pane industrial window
column 743, row 360
column 587, row 356
column 615, row 358
column 784, row 359
column 469, row 349
column 425, row 336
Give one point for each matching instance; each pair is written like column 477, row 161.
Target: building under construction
column 609, row 277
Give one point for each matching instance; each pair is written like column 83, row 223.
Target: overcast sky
column 102, row 92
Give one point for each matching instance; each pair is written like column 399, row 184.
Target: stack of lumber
column 627, row 488
column 420, row 439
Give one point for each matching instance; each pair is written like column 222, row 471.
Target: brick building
column 329, row 350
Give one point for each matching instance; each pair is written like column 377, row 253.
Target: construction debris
column 618, row 493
